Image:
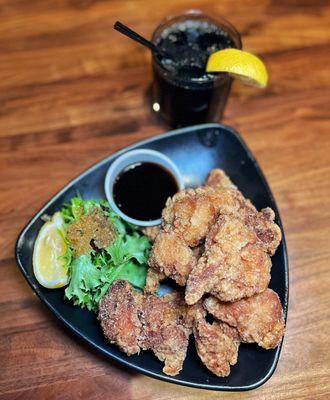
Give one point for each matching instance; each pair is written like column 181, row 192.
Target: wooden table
column 73, row 91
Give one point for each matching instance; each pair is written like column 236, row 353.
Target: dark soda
column 183, row 93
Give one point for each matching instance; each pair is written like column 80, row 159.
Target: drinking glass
column 184, row 100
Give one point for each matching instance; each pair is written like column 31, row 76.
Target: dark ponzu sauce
column 141, row 190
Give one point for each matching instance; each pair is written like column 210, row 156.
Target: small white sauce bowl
column 133, row 157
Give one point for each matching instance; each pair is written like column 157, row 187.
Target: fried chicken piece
column 164, row 331
column 92, row 229
column 118, row 315
column 230, row 201
column 151, row 232
column 189, row 214
column 135, row 321
column 233, row 266
column 216, row 344
column 258, row 318
column 217, row 178
column 172, row 257
column 268, row 233
column 154, row 276
column 153, row 279
column 187, row 219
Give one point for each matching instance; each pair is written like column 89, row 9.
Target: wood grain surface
column 73, row 91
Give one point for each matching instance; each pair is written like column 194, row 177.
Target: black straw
column 138, row 38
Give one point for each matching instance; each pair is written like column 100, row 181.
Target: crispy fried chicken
column 151, row 232
column 218, row 179
column 216, row 344
column 172, row 257
column 236, row 260
column 154, row 277
column 187, row 218
column 190, row 216
column 233, row 265
column 119, row 316
column 135, row 321
column 164, row 330
column 257, row 319
column 230, row 201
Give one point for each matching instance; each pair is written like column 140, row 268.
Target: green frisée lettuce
column 89, row 283
column 126, row 258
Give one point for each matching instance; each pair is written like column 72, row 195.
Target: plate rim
column 121, row 361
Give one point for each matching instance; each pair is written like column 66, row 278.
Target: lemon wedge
column 240, row 65
column 50, row 247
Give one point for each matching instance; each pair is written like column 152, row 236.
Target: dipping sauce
column 141, row 190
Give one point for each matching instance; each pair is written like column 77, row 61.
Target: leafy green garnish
column 91, row 275
column 85, row 279
column 77, row 207
column 129, row 247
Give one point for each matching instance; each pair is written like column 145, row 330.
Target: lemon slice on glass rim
column 49, row 264
column 240, row 65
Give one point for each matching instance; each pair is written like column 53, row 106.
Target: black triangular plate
column 195, row 150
